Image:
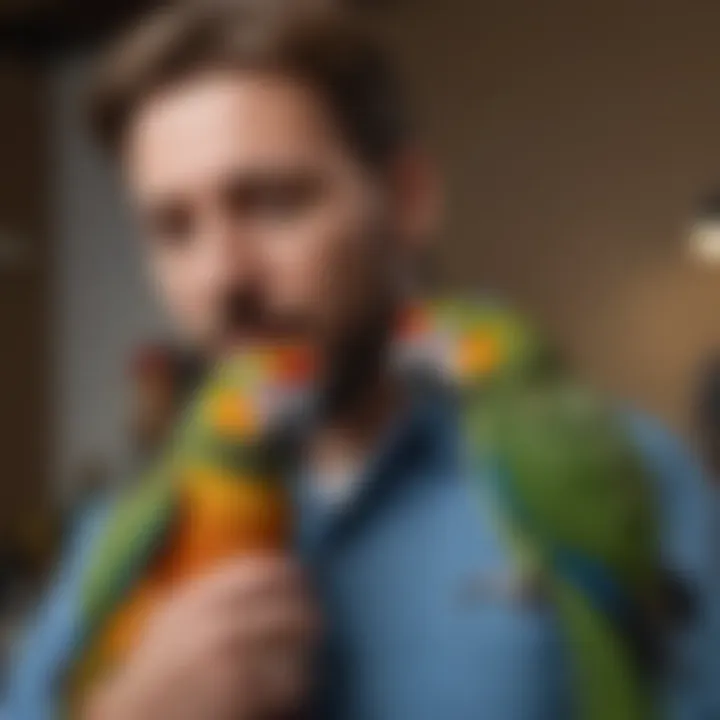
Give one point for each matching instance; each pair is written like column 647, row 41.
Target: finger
column 284, row 679
column 282, row 622
column 242, row 580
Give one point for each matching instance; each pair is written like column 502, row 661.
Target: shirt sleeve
column 687, row 505
column 37, row 662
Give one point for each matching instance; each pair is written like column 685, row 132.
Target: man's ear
column 418, row 199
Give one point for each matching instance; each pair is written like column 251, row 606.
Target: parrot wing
column 575, row 496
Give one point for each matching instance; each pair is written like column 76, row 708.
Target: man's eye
column 281, row 201
column 171, row 227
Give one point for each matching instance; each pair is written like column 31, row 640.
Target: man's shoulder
column 685, row 499
column 46, row 645
column 670, row 461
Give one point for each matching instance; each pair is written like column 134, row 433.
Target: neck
column 339, row 447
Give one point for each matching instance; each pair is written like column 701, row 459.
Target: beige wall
column 577, row 141
column 578, row 136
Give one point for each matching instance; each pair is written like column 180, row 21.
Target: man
column 268, row 154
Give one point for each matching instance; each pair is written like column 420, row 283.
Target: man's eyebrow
column 161, row 203
column 249, row 181
column 241, row 181
column 268, row 173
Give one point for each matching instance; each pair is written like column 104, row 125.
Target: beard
column 352, row 355
column 355, row 362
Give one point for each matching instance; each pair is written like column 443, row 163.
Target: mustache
column 248, row 313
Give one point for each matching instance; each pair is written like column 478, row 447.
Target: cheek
column 320, row 261
column 183, row 290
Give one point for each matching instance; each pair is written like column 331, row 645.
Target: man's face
column 259, row 218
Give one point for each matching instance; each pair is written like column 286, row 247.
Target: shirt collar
column 422, row 440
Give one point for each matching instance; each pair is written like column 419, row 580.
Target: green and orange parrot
column 568, row 486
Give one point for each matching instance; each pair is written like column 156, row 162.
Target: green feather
column 566, row 463
column 572, row 480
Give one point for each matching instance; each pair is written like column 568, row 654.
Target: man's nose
column 231, row 259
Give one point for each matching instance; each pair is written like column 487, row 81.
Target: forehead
column 227, row 121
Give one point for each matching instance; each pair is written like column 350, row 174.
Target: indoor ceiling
column 45, row 29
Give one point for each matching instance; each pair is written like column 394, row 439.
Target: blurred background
column 581, row 144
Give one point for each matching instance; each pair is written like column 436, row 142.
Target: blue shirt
column 414, row 578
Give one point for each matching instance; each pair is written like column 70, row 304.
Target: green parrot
column 574, row 501
column 569, row 487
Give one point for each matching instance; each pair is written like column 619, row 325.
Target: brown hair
column 311, row 41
